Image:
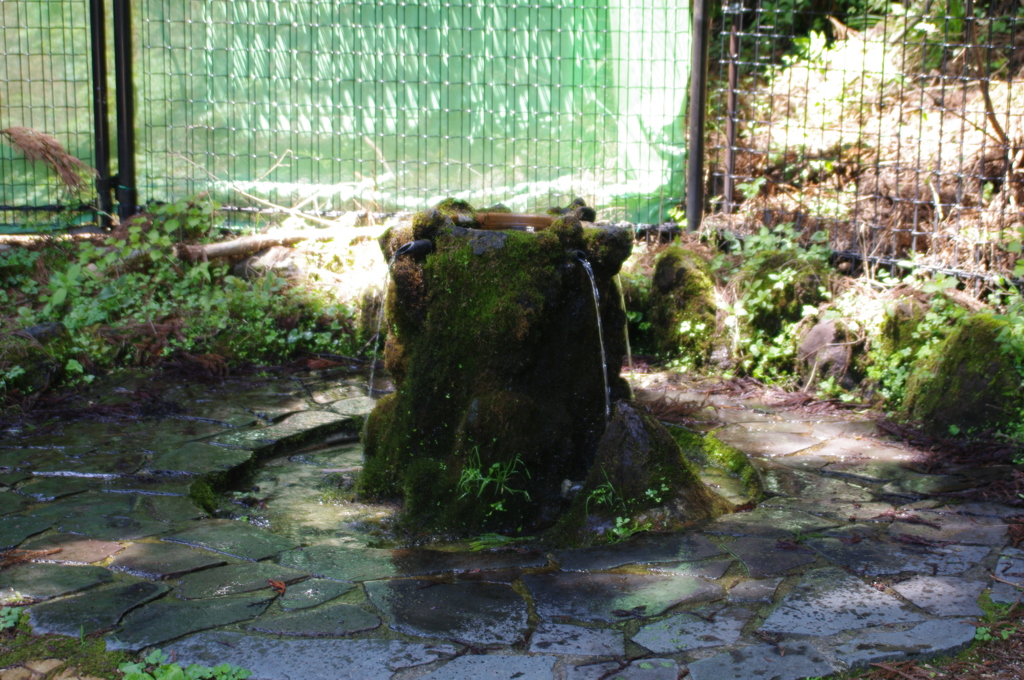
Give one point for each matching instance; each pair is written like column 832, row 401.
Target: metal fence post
column 127, row 194
column 101, row 122
column 698, row 110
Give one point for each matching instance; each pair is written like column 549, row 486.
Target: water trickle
column 380, row 324
column 625, row 327
column 600, row 334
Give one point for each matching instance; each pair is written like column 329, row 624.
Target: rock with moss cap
column 682, row 306
column 640, row 480
column 494, row 350
column 971, row 382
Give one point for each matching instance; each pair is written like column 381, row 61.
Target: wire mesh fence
column 44, row 87
column 336, row 106
column 898, row 129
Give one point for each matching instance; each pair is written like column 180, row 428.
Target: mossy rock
column 682, row 306
column 970, row 381
column 494, row 351
column 640, row 480
column 707, row 451
column 897, row 330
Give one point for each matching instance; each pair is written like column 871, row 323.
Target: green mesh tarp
column 44, row 85
column 333, row 106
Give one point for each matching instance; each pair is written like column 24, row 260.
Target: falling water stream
column 600, row 334
column 380, row 323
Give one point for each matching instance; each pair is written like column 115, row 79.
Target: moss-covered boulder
column 640, row 480
column 682, row 306
column 495, row 353
column 33, row 358
column 971, row 382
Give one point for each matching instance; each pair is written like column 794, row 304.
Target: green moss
column 709, row 450
column 777, row 286
column 203, row 496
column 970, row 381
column 682, row 306
column 89, row 658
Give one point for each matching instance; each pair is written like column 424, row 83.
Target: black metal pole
column 127, row 195
column 701, row 24
column 100, row 112
column 731, row 104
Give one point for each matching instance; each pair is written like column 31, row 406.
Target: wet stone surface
column 472, row 613
column 331, row 620
column 136, row 555
column 609, row 597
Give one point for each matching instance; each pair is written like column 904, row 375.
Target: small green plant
column 474, row 480
column 9, row 617
column 156, row 666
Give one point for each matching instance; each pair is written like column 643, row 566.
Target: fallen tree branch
column 245, row 245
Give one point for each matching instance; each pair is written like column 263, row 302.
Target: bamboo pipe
column 512, row 220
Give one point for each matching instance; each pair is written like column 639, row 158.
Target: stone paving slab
column 955, row 529
column 427, row 562
column 642, row 669
column 200, row 458
column 113, row 527
column 42, row 581
column 73, row 549
column 828, row 601
column 597, row 597
column 807, row 486
column 295, row 429
column 768, row 523
column 163, row 560
column 45, row 489
column 14, row 529
column 713, row 569
column 495, row 667
column 798, row 660
column 927, row 639
column 554, row 638
column 312, row 592
column 838, row 510
column 333, row 620
column 849, row 447
column 273, row 659
column 644, row 549
column 98, row 609
column 233, row 538
column 12, row 501
column 765, row 443
column 169, row 618
column 768, row 556
column 235, row 578
column 342, row 563
column 472, row 613
column 872, row 557
column 943, row 595
column 755, row 591
column 1010, row 567
column 686, row 631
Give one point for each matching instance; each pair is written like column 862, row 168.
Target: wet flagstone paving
column 848, row 562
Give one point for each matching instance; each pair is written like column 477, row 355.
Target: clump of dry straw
column 39, row 146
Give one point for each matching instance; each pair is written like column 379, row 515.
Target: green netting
column 44, row 85
column 384, row 105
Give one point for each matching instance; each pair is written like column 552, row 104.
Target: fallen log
column 245, row 245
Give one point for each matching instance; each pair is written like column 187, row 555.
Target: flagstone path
column 849, row 562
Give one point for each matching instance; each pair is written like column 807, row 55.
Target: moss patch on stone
column 682, row 306
column 970, row 381
column 708, row 450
